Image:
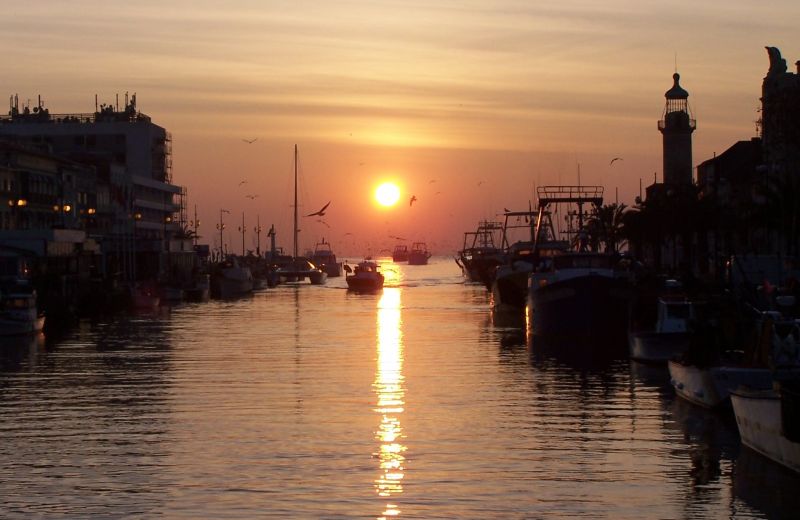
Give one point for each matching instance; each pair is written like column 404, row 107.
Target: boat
column 19, row 314
column 481, row 253
column 707, row 378
column 419, row 254
column 324, row 258
column 400, row 253
column 670, row 336
column 199, row 290
column 580, row 292
column 769, row 420
column 365, row 277
column 299, row 268
column 508, row 284
column 230, row 279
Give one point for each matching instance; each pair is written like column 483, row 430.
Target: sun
column 387, row 194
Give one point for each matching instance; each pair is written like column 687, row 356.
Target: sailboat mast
column 295, row 202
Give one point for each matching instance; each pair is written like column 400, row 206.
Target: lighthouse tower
column 677, row 126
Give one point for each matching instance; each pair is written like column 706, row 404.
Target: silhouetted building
column 780, row 116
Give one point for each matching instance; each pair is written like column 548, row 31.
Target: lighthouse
column 676, row 127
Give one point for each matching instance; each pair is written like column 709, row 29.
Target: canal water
column 312, row 402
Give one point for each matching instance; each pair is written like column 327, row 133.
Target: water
column 311, row 402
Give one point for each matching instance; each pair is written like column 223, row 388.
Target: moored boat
column 230, row 280
column 299, row 269
column 769, row 421
column 481, row 252
column 19, row 314
column 365, row 277
column 670, row 336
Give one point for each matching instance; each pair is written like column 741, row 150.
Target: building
column 137, row 211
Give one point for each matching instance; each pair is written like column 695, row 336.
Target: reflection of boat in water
column 419, row 254
column 400, row 253
column 144, row 295
column 365, row 277
column 324, row 258
column 19, row 314
column 769, row 420
column 764, row 485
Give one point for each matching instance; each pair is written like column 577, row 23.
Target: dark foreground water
column 311, row 402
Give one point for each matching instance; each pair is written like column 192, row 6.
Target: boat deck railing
column 555, row 194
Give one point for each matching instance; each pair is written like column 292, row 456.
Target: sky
column 467, row 105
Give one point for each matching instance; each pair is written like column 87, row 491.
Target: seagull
column 614, row 159
column 242, row 182
column 481, row 182
column 251, row 197
column 250, row 141
column 323, row 222
column 320, row 213
column 413, row 199
column 431, row 181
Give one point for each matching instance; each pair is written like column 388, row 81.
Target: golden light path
column 387, row 194
column 390, row 393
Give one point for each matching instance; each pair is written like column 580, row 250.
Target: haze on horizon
column 468, row 106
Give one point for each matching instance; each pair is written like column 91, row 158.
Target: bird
column 242, row 182
column 431, row 181
column 614, row 159
column 413, row 199
column 320, row 213
column 251, row 197
column 479, row 183
column 438, row 192
column 250, row 141
column 323, row 222
column 507, row 210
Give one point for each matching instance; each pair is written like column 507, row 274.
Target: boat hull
column 590, row 307
column 657, row 347
column 711, row 387
column 758, row 416
column 418, row 258
column 13, row 327
column 510, row 289
column 356, row 284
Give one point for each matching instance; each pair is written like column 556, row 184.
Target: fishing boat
column 481, row 253
column 508, row 283
column 19, row 314
column 400, row 253
column 419, row 254
column 299, row 268
column 365, row 277
column 579, row 292
column 324, row 258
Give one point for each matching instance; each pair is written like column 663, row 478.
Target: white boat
column 711, row 384
column 229, row 280
column 669, row 338
column 19, row 314
column 769, row 422
column 365, row 277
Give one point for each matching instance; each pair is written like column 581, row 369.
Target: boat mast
column 295, row 202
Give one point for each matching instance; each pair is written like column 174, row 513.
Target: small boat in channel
column 365, row 277
column 419, row 254
column 229, row 279
column 19, row 314
column 324, row 258
column 400, row 253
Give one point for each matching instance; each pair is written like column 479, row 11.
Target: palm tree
column 607, row 226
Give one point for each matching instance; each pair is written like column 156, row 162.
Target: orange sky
column 485, row 99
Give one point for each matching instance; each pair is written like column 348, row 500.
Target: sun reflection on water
column 390, row 393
